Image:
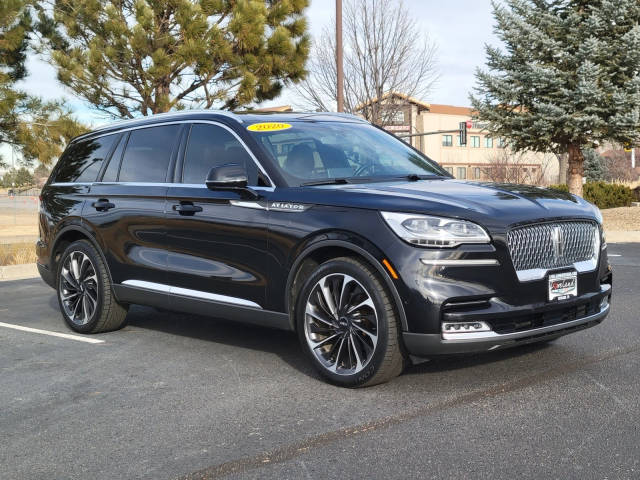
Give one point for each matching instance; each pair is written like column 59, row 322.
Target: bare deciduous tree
column 508, row 167
column 384, row 52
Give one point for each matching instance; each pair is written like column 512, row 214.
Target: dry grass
column 21, row 224
column 622, row 219
column 17, row 253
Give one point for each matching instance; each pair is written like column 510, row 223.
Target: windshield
column 322, row 152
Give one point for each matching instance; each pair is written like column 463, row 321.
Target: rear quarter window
column 82, row 160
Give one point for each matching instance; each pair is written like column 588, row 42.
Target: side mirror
column 232, row 177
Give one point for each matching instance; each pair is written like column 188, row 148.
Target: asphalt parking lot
column 175, row 396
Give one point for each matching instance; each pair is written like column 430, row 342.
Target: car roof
column 244, row 117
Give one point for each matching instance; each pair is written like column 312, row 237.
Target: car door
column 217, row 244
column 125, row 208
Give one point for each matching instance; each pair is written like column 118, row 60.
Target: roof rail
column 179, row 113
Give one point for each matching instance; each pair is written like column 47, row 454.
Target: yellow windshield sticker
column 268, row 127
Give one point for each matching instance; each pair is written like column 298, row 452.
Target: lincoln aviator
column 316, row 223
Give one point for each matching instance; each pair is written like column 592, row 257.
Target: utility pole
column 633, row 157
column 339, row 70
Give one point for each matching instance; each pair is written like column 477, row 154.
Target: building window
column 476, row 173
column 449, row 170
column 488, row 142
column 447, row 140
column 501, row 142
column 462, row 173
column 475, row 141
column 458, row 141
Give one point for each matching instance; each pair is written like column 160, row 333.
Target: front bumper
column 426, row 345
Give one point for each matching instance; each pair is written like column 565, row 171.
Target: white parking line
column 614, row 255
column 52, row 334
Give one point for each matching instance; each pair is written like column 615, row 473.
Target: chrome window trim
column 149, row 184
column 224, row 113
column 172, row 290
column 483, row 262
column 176, row 122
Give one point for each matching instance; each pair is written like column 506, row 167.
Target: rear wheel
column 84, row 291
column 347, row 324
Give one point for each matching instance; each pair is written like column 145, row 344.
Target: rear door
column 219, row 252
column 125, row 208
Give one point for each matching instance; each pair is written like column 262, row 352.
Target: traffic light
column 463, row 133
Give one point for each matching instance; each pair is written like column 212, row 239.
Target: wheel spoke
column 328, row 298
column 368, row 349
column 68, row 297
column 355, row 352
column 85, row 309
column 373, row 337
column 365, row 303
column 92, row 298
column 334, row 368
column 69, row 278
column 327, row 340
column 75, row 268
column 77, row 307
column 313, row 312
column 346, row 279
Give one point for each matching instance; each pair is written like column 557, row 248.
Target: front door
column 217, row 246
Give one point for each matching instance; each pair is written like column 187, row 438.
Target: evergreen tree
column 35, row 128
column 568, row 78
column 594, row 168
column 151, row 56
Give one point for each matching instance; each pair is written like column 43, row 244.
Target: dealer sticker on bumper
column 563, row 285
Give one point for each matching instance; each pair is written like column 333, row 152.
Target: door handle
column 102, row 205
column 187, row 208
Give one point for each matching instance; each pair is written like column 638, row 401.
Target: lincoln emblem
column 557, row 239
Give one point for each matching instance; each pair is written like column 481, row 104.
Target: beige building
column 484, row 157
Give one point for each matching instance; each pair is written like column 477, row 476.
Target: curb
column 19, row 272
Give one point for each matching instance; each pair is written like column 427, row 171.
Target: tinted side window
column 111, row 172
column 147, row 156
column 81, row 162
column 211, row 146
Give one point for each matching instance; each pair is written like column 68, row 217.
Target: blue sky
column 460, row 29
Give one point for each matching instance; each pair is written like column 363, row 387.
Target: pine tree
column 568, row 78
column 150, row 56
column 35, row 128
column 594, row 168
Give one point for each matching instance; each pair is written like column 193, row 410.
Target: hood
column 490, row 204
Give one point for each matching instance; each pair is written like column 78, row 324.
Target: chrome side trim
column 488, row 262
column 160, row 287
column 246, row 204
column 540, row 273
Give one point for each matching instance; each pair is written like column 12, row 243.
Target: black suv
column 318, row 223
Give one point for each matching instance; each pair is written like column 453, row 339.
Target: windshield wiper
column 414, row 177
column 328, row 181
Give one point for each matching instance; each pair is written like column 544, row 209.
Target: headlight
column 431, row 231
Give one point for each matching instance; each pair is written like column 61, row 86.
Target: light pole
column 339, row 71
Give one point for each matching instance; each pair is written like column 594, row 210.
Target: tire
column 362, row 309
column 85, row 296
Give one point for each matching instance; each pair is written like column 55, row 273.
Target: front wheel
column 347, row 324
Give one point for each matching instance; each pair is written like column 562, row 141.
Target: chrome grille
column 552, row 245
